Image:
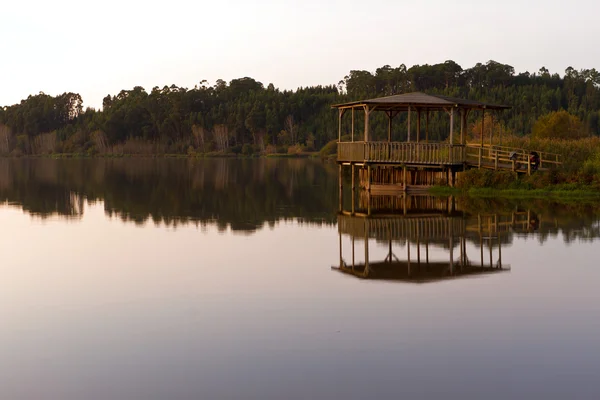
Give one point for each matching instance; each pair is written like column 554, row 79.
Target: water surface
column 221, row 279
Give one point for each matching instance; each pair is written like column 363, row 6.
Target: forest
column 246, row 117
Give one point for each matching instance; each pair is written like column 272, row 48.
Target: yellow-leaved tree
column 558, row 125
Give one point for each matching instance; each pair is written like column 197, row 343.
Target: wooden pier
column 392, row 166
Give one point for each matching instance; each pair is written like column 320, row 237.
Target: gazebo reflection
column 426, row 239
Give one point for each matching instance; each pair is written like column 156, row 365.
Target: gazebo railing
column 401, row 228
column 400, row 152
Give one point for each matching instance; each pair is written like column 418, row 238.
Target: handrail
column 495, row 146
column 401, row 152
column 523, row 154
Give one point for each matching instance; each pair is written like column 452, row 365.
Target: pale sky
column 97, row 48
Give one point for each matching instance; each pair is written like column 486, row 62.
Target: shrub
column 329, row 149
column 247, row 149
column 270, row 149
column 558, row 125
column 295, row 149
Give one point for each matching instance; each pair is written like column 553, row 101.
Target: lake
column 243, row 279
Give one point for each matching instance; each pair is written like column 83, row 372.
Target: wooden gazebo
column 395, row 165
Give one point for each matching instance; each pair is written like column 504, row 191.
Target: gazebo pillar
column 427, row 126
column 491, row 128
column 418, row 124
column 463, row 123
column 482, row 124
column 340, row 113
column 353, row 124
column 408, row 126
column 366, row 123
column 389, row 114
column 452, row 125
column 451, row 244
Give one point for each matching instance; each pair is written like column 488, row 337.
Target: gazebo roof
column 427, row 272
column 401, row 102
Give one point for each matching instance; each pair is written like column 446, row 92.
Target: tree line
column 244, row 116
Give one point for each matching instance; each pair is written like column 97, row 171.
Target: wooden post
column 482, row 124
column 408, row 126
column 404, row 177
column 500, row 132
column 366, row 251
column 480, row 154
column 490, row 246
column 353, row 186
column 463, row 114
column 427, row 126
column 481, row 247
column 499, row 252
column 418, row 248
column 491, row 128
column 528, row 165
column 408, row 253
column 341, row 259
column 341, row 184
column 451, row 239
column 366, row 123
column 496, row 161
column 389, row 114
column 418, row 124
column 340, row 113
column 353, row 124
column 452, row 125
column 352, row 253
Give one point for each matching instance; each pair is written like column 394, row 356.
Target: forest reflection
column 245, row 195
column 242, row 195
column 409, row 226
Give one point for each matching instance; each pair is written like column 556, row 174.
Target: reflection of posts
column 411, row 231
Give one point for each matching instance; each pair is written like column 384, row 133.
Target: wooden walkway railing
column 499, row 157
column 401, row 153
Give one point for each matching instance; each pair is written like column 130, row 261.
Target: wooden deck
column 442, row 155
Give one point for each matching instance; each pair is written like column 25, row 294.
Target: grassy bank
column 558, row 192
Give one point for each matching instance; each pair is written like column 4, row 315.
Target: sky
column 96, row 48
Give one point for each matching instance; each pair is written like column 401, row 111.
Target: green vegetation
column 243, row 117
column 558, row 125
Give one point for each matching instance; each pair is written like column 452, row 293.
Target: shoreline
column 314, row 155
column 559, row 192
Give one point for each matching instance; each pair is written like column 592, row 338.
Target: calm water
column 224, row 279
